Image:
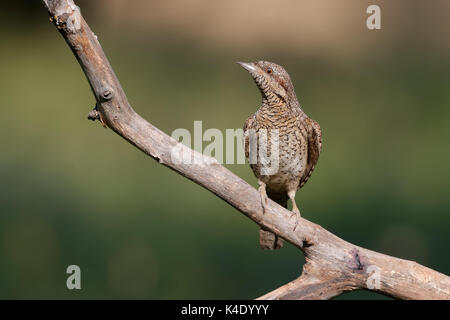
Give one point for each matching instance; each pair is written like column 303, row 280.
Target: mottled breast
column 283, row 159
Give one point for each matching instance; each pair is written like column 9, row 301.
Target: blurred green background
column 72, row 192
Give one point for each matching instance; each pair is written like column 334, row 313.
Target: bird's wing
column 314, row 148
column 250, row 123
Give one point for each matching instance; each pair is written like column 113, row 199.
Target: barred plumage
column 299, row 139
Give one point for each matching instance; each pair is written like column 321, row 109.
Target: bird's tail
column 267, row 239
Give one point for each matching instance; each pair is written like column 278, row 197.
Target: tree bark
column 333, row 266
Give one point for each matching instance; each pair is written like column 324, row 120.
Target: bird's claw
column 296, row 212
column 263, row 194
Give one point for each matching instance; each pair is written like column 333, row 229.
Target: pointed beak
column 249, row 66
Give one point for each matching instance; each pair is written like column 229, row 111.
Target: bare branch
column 332, row 264
column 307, row 288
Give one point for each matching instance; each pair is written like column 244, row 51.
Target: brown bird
column 289, row 139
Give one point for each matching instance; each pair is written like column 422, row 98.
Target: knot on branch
column 95, row 115
column 107, row 94
column 65, row 15
column 357, row 262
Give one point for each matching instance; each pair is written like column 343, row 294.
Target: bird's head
column 272, row 80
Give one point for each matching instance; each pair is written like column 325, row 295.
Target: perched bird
column 299, row 140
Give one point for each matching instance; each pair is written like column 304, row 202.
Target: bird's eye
column 269, row 71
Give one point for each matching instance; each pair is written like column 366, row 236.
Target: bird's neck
column 280, row 106
column 293, row 100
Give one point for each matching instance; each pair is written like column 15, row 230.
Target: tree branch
column 332, row 266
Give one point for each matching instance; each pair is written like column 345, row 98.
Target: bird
column 281, row 122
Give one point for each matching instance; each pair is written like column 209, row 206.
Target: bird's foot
column 263, row 194
column 296, row 213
